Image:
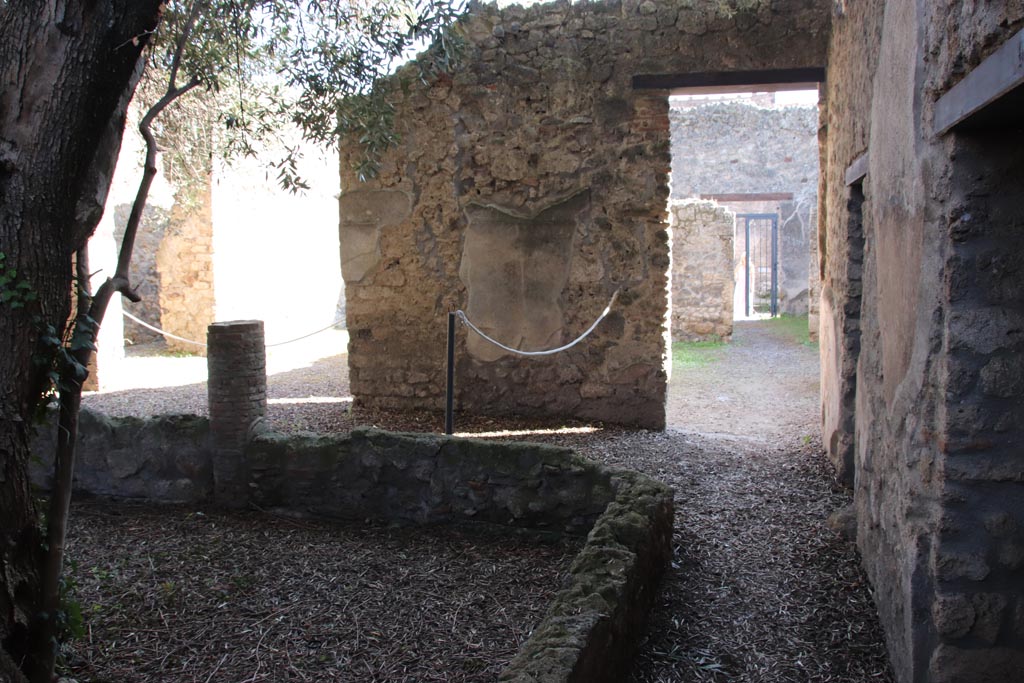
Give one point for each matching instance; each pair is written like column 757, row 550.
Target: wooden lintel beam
column 856, row 171
column 750, row 197
column 765, row 79
column 997, row 76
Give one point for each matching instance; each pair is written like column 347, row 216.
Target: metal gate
column 760, row 235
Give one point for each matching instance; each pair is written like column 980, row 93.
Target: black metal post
column 449, row 396
column 746, row 271
column 775, row 266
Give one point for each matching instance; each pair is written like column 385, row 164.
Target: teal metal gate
column 760, row 235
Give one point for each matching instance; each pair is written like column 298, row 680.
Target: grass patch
column 792, row 327
column 687, row 355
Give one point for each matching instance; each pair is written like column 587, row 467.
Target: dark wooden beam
column 856, row 171
column 750, row 197
column 990, row 95
column 771, row 79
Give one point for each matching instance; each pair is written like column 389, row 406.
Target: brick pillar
column 237, row 393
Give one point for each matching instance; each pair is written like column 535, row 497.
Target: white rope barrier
column 159, row 331
column 322, row 329
column 462, row 316
column 189, row 341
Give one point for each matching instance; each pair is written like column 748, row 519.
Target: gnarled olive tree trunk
column 67, row 71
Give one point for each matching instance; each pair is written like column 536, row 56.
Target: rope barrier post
column 449, row 395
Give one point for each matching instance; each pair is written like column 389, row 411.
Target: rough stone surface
column 143, row 271
column 515, row 268
column 543, row 108
column 921, row 312
column 425, row 479
column 702, row 270
column 595, row 623
column 237, row 389
column 740, row 147
column 184, row 262
column 164, row 458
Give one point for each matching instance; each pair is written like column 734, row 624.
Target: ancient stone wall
column 224, row 245
column 184, row 262
column 739, row 147
column 164, row 458
column 527, row 189
column 143, row 271
column 753, row 147
column 921, row 312
column 702, row 270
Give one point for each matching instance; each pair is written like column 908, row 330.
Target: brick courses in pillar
column 237, row 389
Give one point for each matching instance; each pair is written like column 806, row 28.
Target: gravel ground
column 172, row 594
column 761, row 590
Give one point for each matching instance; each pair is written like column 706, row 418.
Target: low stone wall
column 702, row 270
column 591, row 630
column 425, row 479
column 164, row 459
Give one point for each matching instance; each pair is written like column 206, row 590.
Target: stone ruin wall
column 735, row 147
column 526, row 190
column 920, row 319
column 172, row 264
column 184, row 263
column 702, row 270
column 755, row 147
column 219, row 248
column 172, row 270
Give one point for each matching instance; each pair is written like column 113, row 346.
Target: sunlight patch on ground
column 156, row 371
column 309, row 399
column 528, row 432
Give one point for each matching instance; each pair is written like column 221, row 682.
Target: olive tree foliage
column 255, row 66
column 269, row 65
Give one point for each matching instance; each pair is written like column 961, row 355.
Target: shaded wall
column 920, row 314
column 540, row 136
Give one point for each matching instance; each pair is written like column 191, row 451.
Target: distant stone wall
column 184, row 261
column 143, row 273
column 736, row 147
column 208, row 242
column 702, row 270
column 172, row 270
column 528, row 188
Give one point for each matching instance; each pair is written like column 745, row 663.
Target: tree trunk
column 67, row 72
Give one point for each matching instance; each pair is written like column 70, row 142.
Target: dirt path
column 762, row 387
column 761, row 590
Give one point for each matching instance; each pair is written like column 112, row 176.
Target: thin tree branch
column 120, row 281
column 186, row 33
